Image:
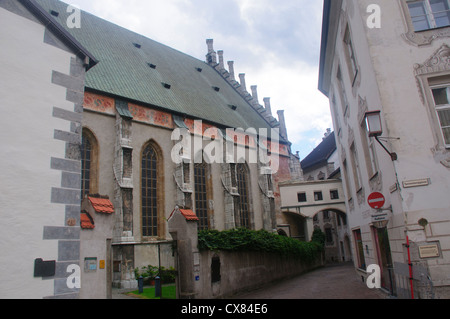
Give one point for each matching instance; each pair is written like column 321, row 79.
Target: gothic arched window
column 201, row 194
column 150, row 191
column 89, row 162
column 242, row 180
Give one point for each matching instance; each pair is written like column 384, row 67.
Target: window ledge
column 432, row 29
column 373, row 176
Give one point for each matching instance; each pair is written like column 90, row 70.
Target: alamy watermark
column 74, row 19
column 374, row 18
column 74, row 279
column 227, row 146
column 374, row 279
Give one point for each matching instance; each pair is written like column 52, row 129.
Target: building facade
column 392, row 58
column 161, row 130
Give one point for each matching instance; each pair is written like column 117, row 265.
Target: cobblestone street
column 331, row 282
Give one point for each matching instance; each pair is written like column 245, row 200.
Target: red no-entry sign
column 376, row 200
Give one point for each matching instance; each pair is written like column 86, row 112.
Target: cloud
column 275, row 43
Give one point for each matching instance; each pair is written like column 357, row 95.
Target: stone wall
column 220, row 274
column 242, row 271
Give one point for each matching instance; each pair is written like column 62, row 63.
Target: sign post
column 376, row 200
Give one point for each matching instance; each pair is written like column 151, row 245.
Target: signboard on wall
column 429, row 251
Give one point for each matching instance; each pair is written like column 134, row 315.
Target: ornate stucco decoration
column 438, row 62
column 426, row 37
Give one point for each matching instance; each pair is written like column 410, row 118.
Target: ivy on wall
column 242, row 239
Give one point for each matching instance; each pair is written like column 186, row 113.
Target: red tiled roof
column 86, row 221
column 188, row 214
column 102, row 205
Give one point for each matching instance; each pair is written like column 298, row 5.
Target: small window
column 215, row 269
column 351, row 57
column 318, row 196
column 321, row 176
column 328, row 236
column 301, row 197
column 334, row 194
column 429, row 14
column 441, row 97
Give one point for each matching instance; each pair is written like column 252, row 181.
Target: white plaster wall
column 94, row 245
column 386, row 63
column 27, row 98
column 309, row 208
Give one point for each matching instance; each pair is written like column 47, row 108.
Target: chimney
column 326, row 134
column 283, row 131
column 211, row 57
column 267, row 105
column 221, row 65
column 231, row 69
column 242, row 78
column 254, row 89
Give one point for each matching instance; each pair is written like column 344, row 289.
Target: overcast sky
column 275, row 43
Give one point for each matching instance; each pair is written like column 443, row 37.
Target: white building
column 393, row 57
column 41, row 97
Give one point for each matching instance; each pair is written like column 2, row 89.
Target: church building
column 160, row 130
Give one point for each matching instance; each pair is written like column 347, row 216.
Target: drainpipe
column 410, row 268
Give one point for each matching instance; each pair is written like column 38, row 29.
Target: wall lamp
column 375, row 129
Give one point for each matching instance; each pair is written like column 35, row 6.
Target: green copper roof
column 137, row 68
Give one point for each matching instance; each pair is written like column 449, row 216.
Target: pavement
column 338, row 281
column 121, row 293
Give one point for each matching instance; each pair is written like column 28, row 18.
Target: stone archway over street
column 301, row 201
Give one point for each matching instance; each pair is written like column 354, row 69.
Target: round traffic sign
column 376, row 200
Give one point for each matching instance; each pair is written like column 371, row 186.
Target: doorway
column 384, row 257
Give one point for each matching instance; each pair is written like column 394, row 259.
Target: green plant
column 150, row 272
column 318, row 236
column 168, row 292
column 242, row 239
column 168, row 275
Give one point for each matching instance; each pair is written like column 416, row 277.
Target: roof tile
column 189, row 214
column 86, row 222
column 102, row 205
column 186, row 213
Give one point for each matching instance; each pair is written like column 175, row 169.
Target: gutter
column 324, row 42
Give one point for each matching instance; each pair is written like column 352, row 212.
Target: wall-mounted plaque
column 429, row 251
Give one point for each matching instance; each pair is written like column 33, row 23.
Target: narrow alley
column 331, row 282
